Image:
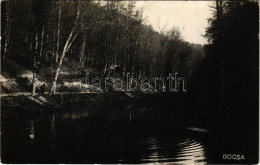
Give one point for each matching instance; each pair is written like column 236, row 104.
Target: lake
column 104, row 134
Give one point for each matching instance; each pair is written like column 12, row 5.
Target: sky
column 189, row 16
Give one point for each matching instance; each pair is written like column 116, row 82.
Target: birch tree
column 82, row 21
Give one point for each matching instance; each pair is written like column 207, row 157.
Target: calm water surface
column 99, row 134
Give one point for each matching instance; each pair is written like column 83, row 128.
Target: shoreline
column 23, row 104
column 12, row 106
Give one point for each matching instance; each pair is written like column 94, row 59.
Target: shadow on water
column 104, row 134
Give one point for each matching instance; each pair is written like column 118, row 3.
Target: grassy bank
column 12, row 106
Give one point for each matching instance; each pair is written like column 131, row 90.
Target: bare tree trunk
column 66, row 47
column 82, row 56
column 6, row 35
column 58, row 35
column 125, row 62
column 47, row 43
column 42, row 38
column 34, row 83
column 54, row 84
column 35, row 66
column 140, row 66
column 105, row 68
column 53, row 40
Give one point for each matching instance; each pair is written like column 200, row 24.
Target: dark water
column 99, row 134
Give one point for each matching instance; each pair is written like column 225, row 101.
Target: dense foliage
column 99, row 35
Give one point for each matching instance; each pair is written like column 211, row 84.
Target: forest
column 105, row 36
column 53, row 39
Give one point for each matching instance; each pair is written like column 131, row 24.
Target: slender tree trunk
column 66, row 47
column 35, row 67
column 42, row 39
column 54, row 84
column 6, row 36
column 47, row 43
column 53, row 40
column 58, row 35
column 82, row 56
column 140, row 66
